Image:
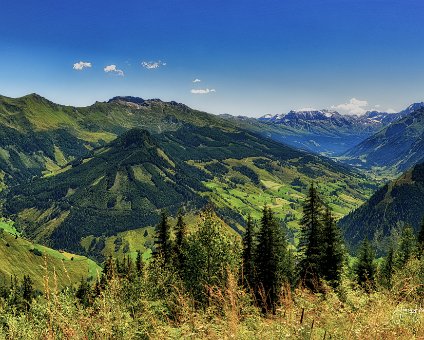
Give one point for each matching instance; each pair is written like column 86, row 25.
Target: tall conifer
column 365, row 267
column 271, row 259
column 249, row 254
column 163, row 242
column 310, row 244
column 332, row 257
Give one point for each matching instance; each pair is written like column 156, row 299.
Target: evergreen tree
column 387, row 267
column 420, row 240
column 365, row 267
column 310, row 244
column 163, row 242
column 249, row 254
column 407, row 246
column 83, row 293
column 271, row 260
column 180, row 236
column 109, row 271
column 139, row 263
column 27, row 291
column 332, row 257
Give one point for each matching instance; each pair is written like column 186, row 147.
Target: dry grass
column 230, row 314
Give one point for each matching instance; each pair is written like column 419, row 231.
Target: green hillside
column 124, row 185
column 397, row 203
column 20, row 257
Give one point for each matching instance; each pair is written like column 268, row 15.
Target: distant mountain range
column 398, row 146
column 399, row 202
column 328, row 132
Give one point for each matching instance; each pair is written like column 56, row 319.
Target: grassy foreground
column 147, row 307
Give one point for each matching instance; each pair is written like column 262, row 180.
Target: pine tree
column 27, row 291
column 420, row 240
column 387, row 267
column 163, row 242
column 249, row 254
column 310, row 244
column 271, row 260
column 332, row 257
column 109, row 272
column 180, row 236
column 139, row 263
column 365, row 267
column 407, row 246
column 83, row 293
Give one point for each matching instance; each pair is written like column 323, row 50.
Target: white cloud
column 197, row 80
column 114, row 69
column 353, row 107
column 81, row 65
column 150, row 65
column 391, row 111
column 202, row 91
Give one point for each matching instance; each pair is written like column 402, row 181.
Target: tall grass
column 135, row 310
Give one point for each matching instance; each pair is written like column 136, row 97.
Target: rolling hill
column 396, row 203
column 19, row 256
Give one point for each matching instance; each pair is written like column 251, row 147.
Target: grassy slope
column 17, row 257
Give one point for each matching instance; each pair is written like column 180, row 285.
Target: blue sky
column 254, row 57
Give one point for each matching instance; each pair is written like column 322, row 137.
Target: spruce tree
column 249, row 254
column 27, row 291
column 365, row 267
column 407, row 246
column 387, row 267
column 311, row 244
column 83, row 293
column 180, row 236
column 271, row 260
column 139, row 263
column 420, row 240
column 332, row 257
column 163, row 242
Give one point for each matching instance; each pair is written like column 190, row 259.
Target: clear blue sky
column 255, row 57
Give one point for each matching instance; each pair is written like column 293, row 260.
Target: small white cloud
column 202, row 91
column 353, row 107
column 391, row 111
column 151, row 65
column 81, row 65
column 114, row 69
column 377, row 106
column 197, row 80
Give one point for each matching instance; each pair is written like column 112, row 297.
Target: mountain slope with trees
column 397, row 147
column 400, row 202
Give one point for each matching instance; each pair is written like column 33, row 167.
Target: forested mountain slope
column 397, row 203
column 399, row 146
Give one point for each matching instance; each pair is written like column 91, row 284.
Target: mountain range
column 128, row 158
column 71, row 176
column 398, row 146
column 329, row 132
